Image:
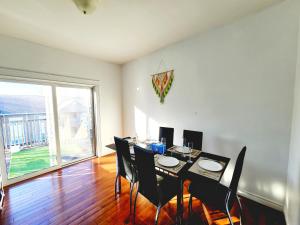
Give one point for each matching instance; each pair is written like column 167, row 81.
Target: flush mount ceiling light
column 86, row 6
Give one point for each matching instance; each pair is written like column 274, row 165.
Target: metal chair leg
column 157, row 214
column 131, row 189
column 134, row 207
column 241, row 209
column 116, row 181
column 190, row 205
column 228, row 214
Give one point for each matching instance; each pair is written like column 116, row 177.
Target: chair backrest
column 236, row 176
column 193, row 136
column 144, row 161
column 167, row 133
column 123, row 155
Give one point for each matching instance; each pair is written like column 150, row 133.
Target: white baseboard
column 285, row 213
column 261, row 200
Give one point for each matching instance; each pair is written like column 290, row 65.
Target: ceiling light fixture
column 86, row 6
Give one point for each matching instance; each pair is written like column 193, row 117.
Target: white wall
column 292, row 203
column 15, row 53
column 235, row 84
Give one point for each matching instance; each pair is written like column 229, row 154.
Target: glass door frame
column 31, row 77
column 56, row 122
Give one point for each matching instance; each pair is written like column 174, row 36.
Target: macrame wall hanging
column 162, row 82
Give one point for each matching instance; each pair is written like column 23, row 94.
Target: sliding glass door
column 43, row 127
column 75, row 113
column 27, row 128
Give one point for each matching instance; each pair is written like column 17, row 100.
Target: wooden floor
column 84, row 194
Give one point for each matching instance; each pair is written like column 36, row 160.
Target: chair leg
column 241, row 209
column 134, row 207
column 116, row 182
column 157, row 214
column 190, row 205
column 131, row 189
column 228, row 214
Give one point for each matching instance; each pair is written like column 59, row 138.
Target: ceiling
column 119, row 30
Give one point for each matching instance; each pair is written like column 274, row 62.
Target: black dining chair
column 126, row 166
column 217, row 195
column 157, row 189
column 168, row 133
column 193, row 136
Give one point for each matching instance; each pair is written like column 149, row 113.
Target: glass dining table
column 183, row 170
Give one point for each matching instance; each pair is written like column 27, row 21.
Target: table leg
column 180, row 202
column 119, row 185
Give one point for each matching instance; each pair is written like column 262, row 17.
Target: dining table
column 187, row 168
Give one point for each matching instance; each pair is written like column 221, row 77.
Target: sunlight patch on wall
column 278, row 190
column 242, row 184
column 145, row 128
column 140, row 120
column 153, row 129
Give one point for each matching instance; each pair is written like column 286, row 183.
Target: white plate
column 210, row 165
column 168, row 161
column 184, row 150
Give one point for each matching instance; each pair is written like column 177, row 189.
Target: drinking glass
column 164, row 143
column 134, row 140
column 190, row 145
column 184, row 145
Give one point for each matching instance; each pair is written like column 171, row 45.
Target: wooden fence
column 23, row 130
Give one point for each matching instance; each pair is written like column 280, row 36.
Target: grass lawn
column 28, row 161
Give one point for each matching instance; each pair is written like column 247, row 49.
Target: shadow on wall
column 145, row 127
